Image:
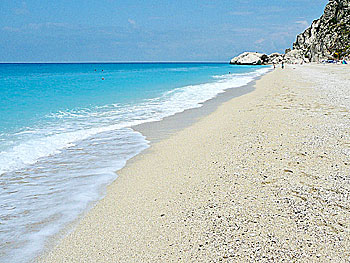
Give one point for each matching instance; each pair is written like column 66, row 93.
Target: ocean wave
column 36, row 204
column 79, row 124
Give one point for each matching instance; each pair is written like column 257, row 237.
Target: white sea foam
column 113, row 117
column 41, row 200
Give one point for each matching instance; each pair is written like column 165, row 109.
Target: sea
column 67, row 128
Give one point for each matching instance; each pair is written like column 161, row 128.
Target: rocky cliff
column 328, row 36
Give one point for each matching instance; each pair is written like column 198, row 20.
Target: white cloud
column 242, row 13
column 34, row 26
column 132, row 22
column 47, row 25
column 259, row 41
column 37, row 26
column 302, row 22
column 156, row 18
column 11, row 29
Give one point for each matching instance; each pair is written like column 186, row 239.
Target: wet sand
column 265, row 177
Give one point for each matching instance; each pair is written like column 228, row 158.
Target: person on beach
column 274, row 66
column 282, row 65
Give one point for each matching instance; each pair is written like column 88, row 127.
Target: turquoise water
column 66, row 128
column 30, row 92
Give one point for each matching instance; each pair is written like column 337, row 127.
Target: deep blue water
column 66, row 128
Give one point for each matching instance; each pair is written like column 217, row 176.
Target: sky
column 153, row 30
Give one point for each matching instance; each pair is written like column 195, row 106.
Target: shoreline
column 154, row 132
column 181, row 197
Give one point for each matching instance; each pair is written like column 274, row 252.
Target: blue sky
column 154, row 30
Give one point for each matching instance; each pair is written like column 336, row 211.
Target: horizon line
column 76, row 62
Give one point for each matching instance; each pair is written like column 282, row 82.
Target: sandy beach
column 265, row 178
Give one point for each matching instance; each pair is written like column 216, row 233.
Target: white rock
column 249, row 58
column 294, row 56
column 275, row 58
